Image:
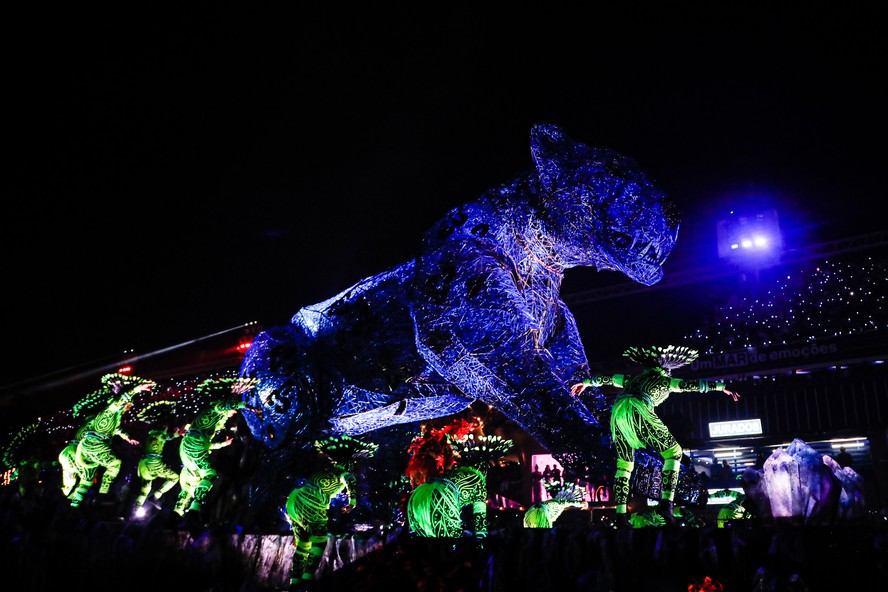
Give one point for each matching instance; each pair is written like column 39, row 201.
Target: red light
column 125, row 370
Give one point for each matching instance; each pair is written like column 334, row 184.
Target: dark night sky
column 175, row 174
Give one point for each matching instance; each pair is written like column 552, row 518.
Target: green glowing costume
column 635, row 425
column 94, row 449
column 544, row 514
column 472, row 486
column 152, row 467
column 198, row 475
column 434, row 508
column 68, row 462
column 733, row 511
column 443, row 490
column 308, row 503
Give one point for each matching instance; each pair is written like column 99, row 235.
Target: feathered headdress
column 216, row 388
column 480, row 452
column 432, row 453
column 119, row 382
column 668, row 357
column 112, row 386
column 345, row 450
column 223, row 388
column 566, row 493
column 16, row 449
column 157, row 412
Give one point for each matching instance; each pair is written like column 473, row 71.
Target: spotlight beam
column 73, row 374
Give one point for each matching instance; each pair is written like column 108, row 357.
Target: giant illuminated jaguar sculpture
column 476, row 315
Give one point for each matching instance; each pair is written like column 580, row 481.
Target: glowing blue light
column 475, row 315
column 752, row 240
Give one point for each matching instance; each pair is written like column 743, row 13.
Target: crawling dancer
column 308, row 503
column 153, row 467
column 94, row 449
column 68, row 461
column 197, row 475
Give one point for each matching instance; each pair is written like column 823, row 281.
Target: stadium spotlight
column 750, row 240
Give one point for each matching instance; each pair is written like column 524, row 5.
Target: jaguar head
column 601, row 208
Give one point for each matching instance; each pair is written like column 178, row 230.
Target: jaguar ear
column 546, row 142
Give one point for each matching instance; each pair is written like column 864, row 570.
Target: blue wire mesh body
column 476, row 316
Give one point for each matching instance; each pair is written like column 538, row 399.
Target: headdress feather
column 344, row 449
column 668, row 357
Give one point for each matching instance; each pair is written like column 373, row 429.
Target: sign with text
column 820, row 353
column 740, row 427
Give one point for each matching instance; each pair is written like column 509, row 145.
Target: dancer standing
column 635, row 425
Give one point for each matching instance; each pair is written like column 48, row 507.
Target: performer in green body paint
column 68, row 461
column 152, row 466
column 308, row 503
column 197, row 475
column 94, row 449
column 545, row 514
column 635, row 425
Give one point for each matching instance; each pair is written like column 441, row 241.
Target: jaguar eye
column 621, row 240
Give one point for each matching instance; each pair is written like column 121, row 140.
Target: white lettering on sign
column 740, row 427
